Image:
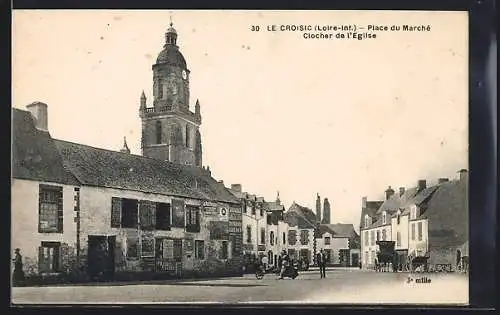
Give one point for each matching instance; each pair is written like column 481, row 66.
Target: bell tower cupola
column 170, row 130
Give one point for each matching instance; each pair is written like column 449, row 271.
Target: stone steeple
column 318, row 208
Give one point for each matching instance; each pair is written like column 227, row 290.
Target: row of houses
column 76, row 206
column 269, row 229
column 429, row 221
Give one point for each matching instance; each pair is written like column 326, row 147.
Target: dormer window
column 384, row 217
column 413, row 212
column 367, row 220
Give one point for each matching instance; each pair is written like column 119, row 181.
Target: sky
column 342, row 118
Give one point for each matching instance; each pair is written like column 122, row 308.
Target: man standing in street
column 321, row 258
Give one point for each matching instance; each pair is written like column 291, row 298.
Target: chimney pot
column 364, row 201
column 39, row 112
column 388, row 193
column 401, row 191
column 422, row 184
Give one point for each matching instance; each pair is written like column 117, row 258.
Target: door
column 101, row 256
column 355, row 260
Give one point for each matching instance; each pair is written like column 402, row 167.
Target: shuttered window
column 420, row 231
column 199, row 249
column 163, row 217
column 304, row 237
column 292, row 237
column 50, row 219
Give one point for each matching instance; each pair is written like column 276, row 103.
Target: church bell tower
column 170, row 131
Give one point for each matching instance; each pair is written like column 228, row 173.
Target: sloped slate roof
column 300, row 216
column 396, row 202
column 447, row 212
column 370, row 209
column 274, row 206
column 237, row 194
column 343, row 229
column 34, row 154
column 105, row 168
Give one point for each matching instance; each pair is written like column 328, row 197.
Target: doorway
column 355, row 260
column 101, row 257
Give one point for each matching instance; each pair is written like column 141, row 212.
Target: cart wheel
column 259, row 275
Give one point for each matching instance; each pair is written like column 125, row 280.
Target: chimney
column 236, row 187
column 364, row 200
column 463, row 175
column 422, row 184
column 39, row 112
column 442, row 180
column 388, row 193
column 401, row 191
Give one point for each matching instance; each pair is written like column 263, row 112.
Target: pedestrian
column 285, row 262
column 18, row 266
column 321, row 258
column 264, row 262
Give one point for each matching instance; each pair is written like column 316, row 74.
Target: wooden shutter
column 147, row 212
column 119, row 255
column 42, row 262
column 64, row 257
column 60, row 211
column 116, row 212
column 177, row 249
column 178, row 213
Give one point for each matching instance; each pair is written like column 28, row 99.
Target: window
column 261, row 209
column 268, row 220
column 132, row 247
column 148, row 247
column 163, row 216
column 399, row 218
column 419, row 231
column 224, row 250
column 384, row 235
column 262, row 236
column 199, row 250
column 158, row 132
column 249, row 234
column 384, row 217
column 292, row 237
column 284, row 238
column 193, row 219
column 271, row 238
column 50, row 215
column 372, row 237
column 253, row 208
column 49, row 257
column 188, row 137
column 129, row 213
column 292, row 253
column 367, row 220
column 304, row 237
column 327, row 240
column 378, row 235
column 413, row 231
column 367, row 240
column 398, row 239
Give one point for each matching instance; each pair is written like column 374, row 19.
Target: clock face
column 184, row 74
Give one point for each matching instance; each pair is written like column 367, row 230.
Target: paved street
column 340, row 286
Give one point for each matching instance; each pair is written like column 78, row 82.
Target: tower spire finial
column 171, row 23
column 125, row 148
